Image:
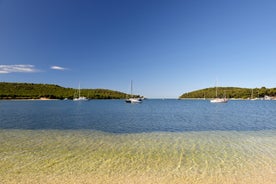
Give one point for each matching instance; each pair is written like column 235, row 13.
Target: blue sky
column 167, row 47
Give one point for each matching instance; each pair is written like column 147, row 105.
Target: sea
column 157, row 141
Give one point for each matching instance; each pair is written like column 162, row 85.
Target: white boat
column 133, row 100
column 80, row 98
column 267, row 97
column 219, row 100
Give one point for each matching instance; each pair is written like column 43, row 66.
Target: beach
column 83, row 156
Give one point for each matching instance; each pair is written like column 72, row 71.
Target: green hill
column 230, row 92
column 37, row 91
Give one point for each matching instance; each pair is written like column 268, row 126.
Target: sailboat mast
column 216, row 88
column 131, row 88
column 79, row 89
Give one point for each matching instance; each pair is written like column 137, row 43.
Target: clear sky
column 167, row 47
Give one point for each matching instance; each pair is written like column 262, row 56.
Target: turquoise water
column 158, row 141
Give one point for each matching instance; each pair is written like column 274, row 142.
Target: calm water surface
column 115, row 116
column 158, row 141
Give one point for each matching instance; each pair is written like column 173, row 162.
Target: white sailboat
column 80, row 98
column 133, row 100
column 252, row 95
column 219, row 100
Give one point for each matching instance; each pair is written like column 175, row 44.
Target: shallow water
column 158, row 141
column 28, row 156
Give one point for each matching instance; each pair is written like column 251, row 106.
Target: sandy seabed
column 215, row 157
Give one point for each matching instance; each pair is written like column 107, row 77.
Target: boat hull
column 219, row 100
column 133, row 100
column 80, row 99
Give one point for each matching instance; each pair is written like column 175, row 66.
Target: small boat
column 219, row 100
column 80, row 98
column 132, row 99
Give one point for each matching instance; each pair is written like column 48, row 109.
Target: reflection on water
column 51, row 156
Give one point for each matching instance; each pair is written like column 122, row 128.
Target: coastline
column 28, row 99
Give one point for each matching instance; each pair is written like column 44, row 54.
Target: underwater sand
column 207, row 157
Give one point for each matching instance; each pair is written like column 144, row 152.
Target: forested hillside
column 37, row 91
column 231, row 92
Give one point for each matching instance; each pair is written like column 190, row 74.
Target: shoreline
column 28, row 99
column 96, row 157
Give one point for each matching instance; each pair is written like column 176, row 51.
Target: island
column 231, row 93
column 11, row 90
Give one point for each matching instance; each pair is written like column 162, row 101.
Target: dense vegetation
column 231, row 92
column 37, row 91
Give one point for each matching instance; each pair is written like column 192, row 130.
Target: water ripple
column 115, row 116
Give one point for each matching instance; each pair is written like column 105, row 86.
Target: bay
column 158, row 141
column 115, row 116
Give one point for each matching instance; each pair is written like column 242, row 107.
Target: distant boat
column 267, row 97
column 133, row 100
column 219, row 100
column 252, row 95
column 80, row 98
